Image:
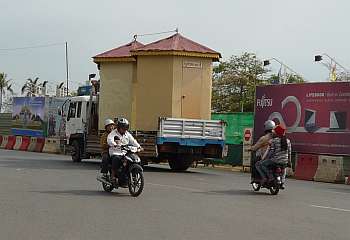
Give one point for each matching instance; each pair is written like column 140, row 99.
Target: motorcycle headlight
column 137, row 159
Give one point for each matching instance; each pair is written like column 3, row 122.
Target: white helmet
column 269, row 125
column 109, row 121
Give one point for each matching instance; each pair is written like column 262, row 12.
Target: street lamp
column 268, row 62
column 331, row 65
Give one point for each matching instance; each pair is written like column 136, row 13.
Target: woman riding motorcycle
column 109, row 126
column 279, row 152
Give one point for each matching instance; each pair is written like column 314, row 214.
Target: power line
column 32, row 47
column 157, row 33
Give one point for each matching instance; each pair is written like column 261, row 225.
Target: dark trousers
column 263, row 167
column 253, row 170
column 106, row 160
column 116, row 162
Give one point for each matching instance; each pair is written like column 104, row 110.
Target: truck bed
column 191, row 132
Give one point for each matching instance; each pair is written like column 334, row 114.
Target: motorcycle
column 274, row 185
column 130, row 173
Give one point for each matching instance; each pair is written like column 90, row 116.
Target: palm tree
column 31, row 87
column 5, row 86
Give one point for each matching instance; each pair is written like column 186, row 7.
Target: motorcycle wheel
column 107, row 187
column 274, row 189
column 136, row 182
column 256, row 186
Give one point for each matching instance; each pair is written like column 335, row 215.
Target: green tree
column 32, row 86
column 234, row 83
column 5, row 87
column 290, row 78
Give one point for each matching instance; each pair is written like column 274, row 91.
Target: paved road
column 48, row 197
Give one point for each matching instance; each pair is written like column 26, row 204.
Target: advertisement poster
column 55, row 122
column 317, row 115
column 28, row 116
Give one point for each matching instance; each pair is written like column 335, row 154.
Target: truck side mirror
column 59, row 112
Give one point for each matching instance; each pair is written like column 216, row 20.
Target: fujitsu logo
column 264, row 102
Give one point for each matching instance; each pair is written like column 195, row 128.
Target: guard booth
column 171, row 77
column 174, row 79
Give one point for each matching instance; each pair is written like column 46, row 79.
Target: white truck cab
column 77, row 115
column 80, row 119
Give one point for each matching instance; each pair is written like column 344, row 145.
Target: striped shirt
column 278, row 155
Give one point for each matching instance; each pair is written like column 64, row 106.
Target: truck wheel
column 76, row 153
column 180, row 162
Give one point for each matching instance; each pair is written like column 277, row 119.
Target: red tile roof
column 176, row 42
column 122, row 51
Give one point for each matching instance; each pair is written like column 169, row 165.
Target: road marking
column 340, row 192
column 331, row 208
column 176, row 187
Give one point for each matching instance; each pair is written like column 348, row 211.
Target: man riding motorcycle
column 279, row 152
column 109, row 126
column 262, row 144
column 116, row 139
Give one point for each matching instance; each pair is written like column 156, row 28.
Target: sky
column 292, row 31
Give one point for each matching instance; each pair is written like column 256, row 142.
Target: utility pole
column 67, row 70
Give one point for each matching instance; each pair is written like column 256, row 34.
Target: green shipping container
column 236, row 122
column 234, row 155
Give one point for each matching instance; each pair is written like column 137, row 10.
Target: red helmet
column 280, row 130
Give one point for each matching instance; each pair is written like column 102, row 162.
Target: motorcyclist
column 109, row 126
column 279, row 152
column 262, row 144
column 116, row 139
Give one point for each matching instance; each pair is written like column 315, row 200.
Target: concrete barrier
column 40, row 142
column 25, row 143
column 52, row 145
column 18, row 143
column 4, row 141
column 11, row 142
column 330, row 169
column 346, row 167
column 347, row 180
column 306, row 166
column 32, row 144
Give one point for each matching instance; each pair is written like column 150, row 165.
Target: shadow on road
column 161, row 169
column 235, row 192
column 90, row 193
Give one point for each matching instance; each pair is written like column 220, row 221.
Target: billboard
column 38, row 117
column 28, row 116
column 56, row 124
column 317, row 115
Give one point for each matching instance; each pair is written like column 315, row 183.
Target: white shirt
column 115, row 146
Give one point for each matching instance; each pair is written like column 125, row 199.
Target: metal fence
column 5, row 123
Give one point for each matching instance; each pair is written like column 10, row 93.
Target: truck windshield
column 72, row 110
column 79, row 110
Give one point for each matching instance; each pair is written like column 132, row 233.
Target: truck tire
column 76, row 151
column 180, row 162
